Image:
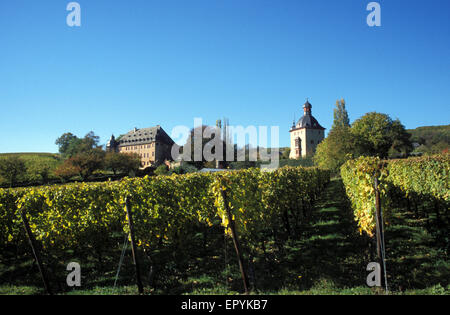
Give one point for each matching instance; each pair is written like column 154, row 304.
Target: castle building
column 306, row 134
column 153, row 145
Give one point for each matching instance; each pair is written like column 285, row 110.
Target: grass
column 322, row 288
column 328, row 257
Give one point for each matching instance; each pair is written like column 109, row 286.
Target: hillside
column 39, row 166
column 431, row 139
column 27, row 155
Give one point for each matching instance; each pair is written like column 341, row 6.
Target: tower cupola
column 307, row 108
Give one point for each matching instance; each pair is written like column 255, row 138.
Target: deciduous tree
column 88, row 162
column 377, row 133
column 340, row 146
column 122, row 163
column 66, row 171
column 70, row 145
column 162, row 170
column 12, row 168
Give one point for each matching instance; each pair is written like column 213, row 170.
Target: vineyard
column 173, row 216
column 297, row 230
column 409, row 182
column 412, row 190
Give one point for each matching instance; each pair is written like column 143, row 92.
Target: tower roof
column 308, row 120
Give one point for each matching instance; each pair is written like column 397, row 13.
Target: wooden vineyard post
column 237, row 245
column 133, row 246
column 377, row 218
column 380, row 234
column 36, row 253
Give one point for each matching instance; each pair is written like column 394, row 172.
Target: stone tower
column 112, row 145
column 306, row 134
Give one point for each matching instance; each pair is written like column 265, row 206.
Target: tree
column 88, row 162
column 377, row 133
column 162, row 170
column 401, row 140
column 89, row 142
column 70, row 145
column 66, row 171
column 197, row 138
column 12, row 168
column 40, row 169
column 336, row 149
column 286, row 153
column 183, row 169
column 340, row 115
column 122, row 163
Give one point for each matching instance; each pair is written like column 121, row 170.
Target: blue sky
column 141, row 63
